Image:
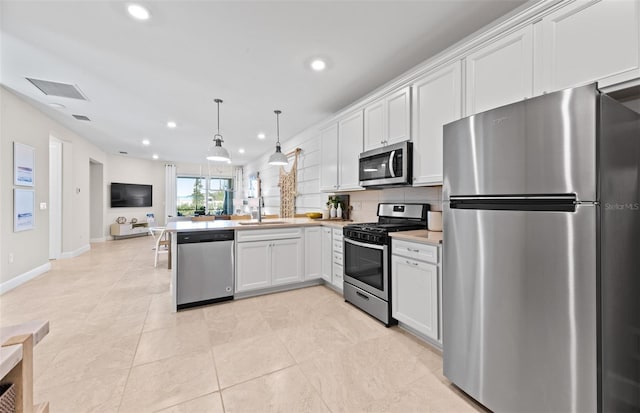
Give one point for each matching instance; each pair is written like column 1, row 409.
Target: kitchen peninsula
column 265, row 257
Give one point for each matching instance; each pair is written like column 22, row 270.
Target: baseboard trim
column 101, row 239
column 71, row 254
column 23, row 278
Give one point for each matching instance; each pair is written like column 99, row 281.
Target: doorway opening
column 96, row 202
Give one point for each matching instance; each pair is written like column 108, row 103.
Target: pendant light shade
column 278, row 158
column 216, row 151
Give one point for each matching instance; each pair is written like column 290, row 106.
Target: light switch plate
column 43, row 205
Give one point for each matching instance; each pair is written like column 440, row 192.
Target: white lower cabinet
column 265, row 263
column 327, row 254
column 416, row 283
column 253, row 264
column 332, row 258
column 287, row 263
column 312, row 253
column 414, row 288
column 336, row 258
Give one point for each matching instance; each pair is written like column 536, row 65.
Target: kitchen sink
column 261, row 223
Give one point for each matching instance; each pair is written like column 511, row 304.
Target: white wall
column 134, row 171
column 309, row 197
column 21, row 122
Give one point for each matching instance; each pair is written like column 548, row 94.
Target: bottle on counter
column 332, row 211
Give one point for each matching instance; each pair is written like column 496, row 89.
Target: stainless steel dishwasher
column 205, row 270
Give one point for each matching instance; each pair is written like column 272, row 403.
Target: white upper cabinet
column 437, row 100
column 350, row 135
column 589, row 41
column 374, row 134
column 329, row 158
column 399, row 116
column 388, row 120
column 500, row 72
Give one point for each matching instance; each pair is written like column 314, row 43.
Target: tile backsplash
column 365, row 203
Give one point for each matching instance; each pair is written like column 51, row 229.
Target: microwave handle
column 393, row 155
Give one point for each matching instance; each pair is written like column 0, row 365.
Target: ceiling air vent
column 82, row 117
column 58, row 89
column 124, row 153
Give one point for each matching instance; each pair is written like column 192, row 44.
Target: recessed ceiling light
column 241, row 150
column 261, row 136
column 318, row 65
column 171, row 124
column 57, row 105
column 138, row 12
column 146, row 142
column 155, row 156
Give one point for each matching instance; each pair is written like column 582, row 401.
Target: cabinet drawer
column 268, row 234
column 422, row 252
column 337, row 234
column 337, row 276
column 338, row 258
column 337, row 245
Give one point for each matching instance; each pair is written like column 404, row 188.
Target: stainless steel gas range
column 367, row 265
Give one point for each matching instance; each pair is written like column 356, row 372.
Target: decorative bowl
column 314, row 215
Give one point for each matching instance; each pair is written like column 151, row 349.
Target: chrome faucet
column 259, row 185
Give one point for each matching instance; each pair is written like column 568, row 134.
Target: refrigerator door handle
column 549, row 203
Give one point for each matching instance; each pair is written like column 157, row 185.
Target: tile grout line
column 133, row 359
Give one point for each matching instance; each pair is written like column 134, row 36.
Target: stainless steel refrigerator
column 541, row 267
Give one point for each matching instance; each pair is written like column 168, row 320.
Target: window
column 200, row 195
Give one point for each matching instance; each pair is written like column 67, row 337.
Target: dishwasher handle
column 205, row 236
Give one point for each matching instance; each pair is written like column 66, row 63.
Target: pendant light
column 278, row 158
column 217, row 152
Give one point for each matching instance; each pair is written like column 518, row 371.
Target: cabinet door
column 350, row 144
column 313, row 253
column 398, row 116
column 329, row 158
column 253, row 264
column 287, row 264
column 327, row 254
column 590, row 41
column 374, row 135
column 414, row 289
column 437, row 100
column 500, row 72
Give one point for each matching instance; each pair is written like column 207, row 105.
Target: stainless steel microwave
column 390, row 165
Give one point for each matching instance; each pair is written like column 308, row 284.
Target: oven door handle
column 365, row 245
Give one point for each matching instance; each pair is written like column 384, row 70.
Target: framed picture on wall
column 23, row 209
column 23, row 164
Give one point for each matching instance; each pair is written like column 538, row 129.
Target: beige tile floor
column 115, row 346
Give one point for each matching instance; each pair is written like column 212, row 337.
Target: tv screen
column 130, row 195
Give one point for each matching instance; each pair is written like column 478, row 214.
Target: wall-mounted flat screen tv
column 130, row 195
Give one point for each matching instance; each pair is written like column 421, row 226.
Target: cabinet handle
column 412, row 250
column 415, row 264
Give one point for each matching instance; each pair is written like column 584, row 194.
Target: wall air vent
column 82, row 117
column 58, row 89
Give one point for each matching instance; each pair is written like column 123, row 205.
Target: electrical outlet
column 11, row 258
column 43, row 206
column 357, row 206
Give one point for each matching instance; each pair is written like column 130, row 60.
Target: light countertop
column 182, row 226
column 421, row 235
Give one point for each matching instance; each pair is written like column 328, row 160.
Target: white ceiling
column 253, row 55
